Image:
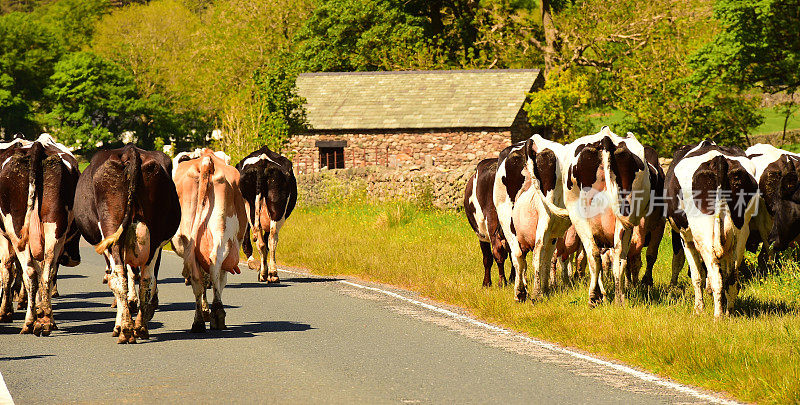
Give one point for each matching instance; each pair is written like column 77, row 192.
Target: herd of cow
column 129, row 203
column 603, row 198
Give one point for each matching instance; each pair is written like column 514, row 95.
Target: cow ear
column 530, row 149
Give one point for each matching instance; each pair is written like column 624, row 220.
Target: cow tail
column 717, row 232
column 34, row 170
column 613, row 189
column 132, row 172
column 206, row 170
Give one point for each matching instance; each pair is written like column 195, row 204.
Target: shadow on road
column 29, row 357
column 255, row 285
column 310, row 279
column 172, row 280
column 68, row 276
column 88, row 295
column 183, row 306
column 250, row 329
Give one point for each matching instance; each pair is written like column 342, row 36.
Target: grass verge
column 752, row 356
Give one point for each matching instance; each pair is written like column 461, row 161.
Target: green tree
column 561, row 105
column 357, row 35
column 73, row 21
column 267, row 114
column 94, row 101
column 28, row 53
column 758, row 47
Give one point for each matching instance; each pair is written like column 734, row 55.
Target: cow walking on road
column 37, row 186
column 127, row 207
column 269, row 189
column 213, row 225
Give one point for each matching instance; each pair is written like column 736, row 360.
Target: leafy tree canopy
column 28, row 53
column 759, row 45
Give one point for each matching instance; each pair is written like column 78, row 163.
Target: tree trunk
column 550, row 37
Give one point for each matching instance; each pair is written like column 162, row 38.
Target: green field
column 752, row 356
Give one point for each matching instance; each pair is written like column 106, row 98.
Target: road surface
column 306, row 340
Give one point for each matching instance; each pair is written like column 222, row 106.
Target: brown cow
column 37, row 185
column 127, row 207
column 213, row 225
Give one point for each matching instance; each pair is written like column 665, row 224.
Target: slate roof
column 414, row 99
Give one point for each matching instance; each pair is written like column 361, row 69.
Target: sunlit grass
column 753, row 356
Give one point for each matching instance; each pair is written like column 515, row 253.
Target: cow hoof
column 273, row 279
column 105, row 278
column 141, row 332
column 521, row 296
column 37, row 329
column 114, row 304
column 7, row 317
column 187, row 281
column 487, row 284
column 115, row 332
column 126, row 337
column 206, row 314
column 198, row 327
column 218, row 320
column 252, row 263
column 26, row 330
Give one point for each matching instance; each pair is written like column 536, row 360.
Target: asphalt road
column 306, row 340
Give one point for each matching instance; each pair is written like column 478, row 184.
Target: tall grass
column 753, row 355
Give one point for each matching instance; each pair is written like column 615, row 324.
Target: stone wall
column 442, row 188
column 445, row 149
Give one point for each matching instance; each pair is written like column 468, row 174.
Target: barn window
column 331, row 154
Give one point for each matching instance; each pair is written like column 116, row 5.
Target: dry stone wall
column 441, row 188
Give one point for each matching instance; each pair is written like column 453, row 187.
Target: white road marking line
column 5, row 396
column 549, row 346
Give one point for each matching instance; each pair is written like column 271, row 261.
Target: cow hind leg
column 695, row 264
column 218, row 280
column 486, row 252
column 678, row 257
column 272, row 274
column 119, row 283
column 147, row 299
column 199, row 288
column 30, row 286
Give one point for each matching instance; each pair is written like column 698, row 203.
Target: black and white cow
column 529, row 201
column 37, row 187
column 269, row 189
column 126, row 206
column 607, row 193
column 482, row 216
column 777, row 221
column 711, row 196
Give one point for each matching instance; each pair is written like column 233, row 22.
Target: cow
column 126, row 206
column 482, row 217
column 711, row 195
column 607, row 193
column 529, row 201
column 37, row 187
column 777, row 222
column 213, row 225
column 269, row 189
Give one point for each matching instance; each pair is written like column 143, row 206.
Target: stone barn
column 446, row 118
